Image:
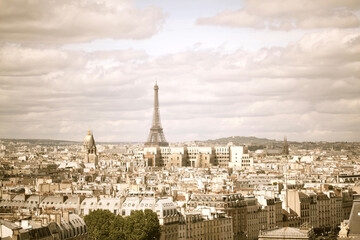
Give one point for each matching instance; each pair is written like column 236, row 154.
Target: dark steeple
column 285, row 147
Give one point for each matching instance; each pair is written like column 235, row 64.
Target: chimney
column 66, row 215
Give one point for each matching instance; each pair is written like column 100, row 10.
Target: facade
column 233, row 205
column 314, row 217
column 70, row 203
column 88, row 205
column 323, row 210
column 252, row 218
column 272, row 211
column 300, row 203
column 335, row 211
column 176, row 157
column 194, row 152
column 239, row 158
column 211, row 226
column 222, row 156
column 230, row 156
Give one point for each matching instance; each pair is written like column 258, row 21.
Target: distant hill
column 40, row 141
column 54, row 142
column 240, row 140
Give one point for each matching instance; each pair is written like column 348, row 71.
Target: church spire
column 285, row 147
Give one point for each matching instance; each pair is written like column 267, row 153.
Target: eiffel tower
column 156, row 136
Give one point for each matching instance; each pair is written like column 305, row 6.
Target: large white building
column 239, row 158
column 199, row 157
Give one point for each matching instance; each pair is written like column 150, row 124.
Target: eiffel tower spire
column 156, row 136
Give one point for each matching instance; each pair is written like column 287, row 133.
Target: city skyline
column 236, row 68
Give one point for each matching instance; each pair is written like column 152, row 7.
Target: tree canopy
column 104, row 225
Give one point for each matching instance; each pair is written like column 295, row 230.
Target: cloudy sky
column 224, row 67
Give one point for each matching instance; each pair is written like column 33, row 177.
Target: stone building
column 233, row 205
column 90, row 149
column 198, row 226
column 300, row 203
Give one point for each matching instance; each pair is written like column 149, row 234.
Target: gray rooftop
column 354, row 220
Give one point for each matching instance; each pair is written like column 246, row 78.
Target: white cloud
column 308, row 90
column 67, row 21
column 289, row 14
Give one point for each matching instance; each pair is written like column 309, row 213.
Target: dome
column 89, row 141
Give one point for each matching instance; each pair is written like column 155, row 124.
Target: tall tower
column 285, row 147
column 90, row 149
column 156, row 136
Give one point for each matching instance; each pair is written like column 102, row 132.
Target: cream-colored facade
column 199, row 157
column 252, row 219
column 239, row 158
column 323, row 210
column 300, row 203
column 198, row 227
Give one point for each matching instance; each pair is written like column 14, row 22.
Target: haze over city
column 246, row 68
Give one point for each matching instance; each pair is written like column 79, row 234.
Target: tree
column 104, row 225
column 99, row 223
column 152, row 225
column 117, row 228
column 142, row 225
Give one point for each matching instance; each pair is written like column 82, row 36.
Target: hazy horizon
column 132, row 142
column 270, row 69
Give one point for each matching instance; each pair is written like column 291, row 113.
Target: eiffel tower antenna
column 156, row 136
